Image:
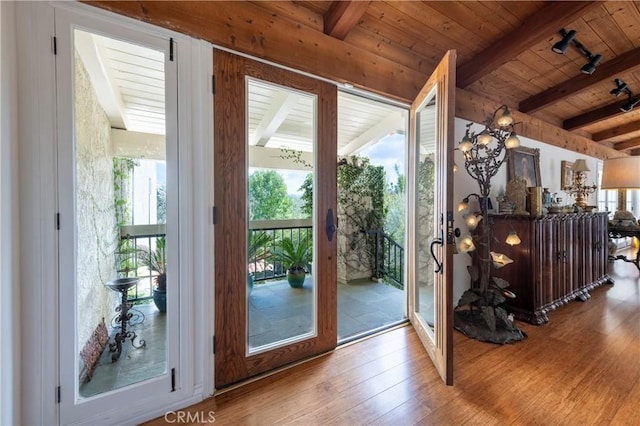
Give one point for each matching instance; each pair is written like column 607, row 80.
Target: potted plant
column 155, row 260
column 297, row 256
column 257, row 251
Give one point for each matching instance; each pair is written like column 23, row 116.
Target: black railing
column 133, row 238
column 389, row 258
column 263, row 266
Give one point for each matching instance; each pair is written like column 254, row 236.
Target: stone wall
column 96, row 227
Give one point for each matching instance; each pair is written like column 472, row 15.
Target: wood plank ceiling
column 504, row 50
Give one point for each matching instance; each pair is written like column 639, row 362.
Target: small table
column 125, row 316
column 621, row 232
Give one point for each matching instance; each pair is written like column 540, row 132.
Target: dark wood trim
column 592, row 117
column 616, row 131
column 342, row 16
column 608, row 70
column 547, row 21
column 622, row 146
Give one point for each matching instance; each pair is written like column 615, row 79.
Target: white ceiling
column 129, row 81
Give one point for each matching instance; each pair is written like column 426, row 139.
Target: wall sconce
column 568, row 38
column 578, row 189
column 513, row 239
column 500, row 260
column 622, row 87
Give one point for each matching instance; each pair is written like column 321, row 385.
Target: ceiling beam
column 616, row 131
column 545, row 22
column 342, row 16
column 624, row 63
column 247, row 28
column 475, row 108
column 392, row 123
column 623, row 146
column 279, row 109
column 592, row 117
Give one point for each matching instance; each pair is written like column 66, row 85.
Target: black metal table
column 126, row 316
column 621, row 232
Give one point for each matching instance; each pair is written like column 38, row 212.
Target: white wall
column 550, row 163
column 9, row 277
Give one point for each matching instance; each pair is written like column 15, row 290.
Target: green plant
column 297, row 256
column 155, row 260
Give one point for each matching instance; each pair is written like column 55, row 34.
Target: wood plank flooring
column 582, row 368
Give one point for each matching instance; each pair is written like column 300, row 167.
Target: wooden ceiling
column 503, row 51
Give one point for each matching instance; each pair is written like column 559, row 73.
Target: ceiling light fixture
column 633, row 101
column 622, row 87
column 568, row 38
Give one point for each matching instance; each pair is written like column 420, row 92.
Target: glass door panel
column 117, row 145
column 428, row 240
column 275, row 133
column 120, row 210
column 430, row 264
column 281, row 140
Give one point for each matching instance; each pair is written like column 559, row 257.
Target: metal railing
column 265, row 268
column 132, row 238
column 389, row 257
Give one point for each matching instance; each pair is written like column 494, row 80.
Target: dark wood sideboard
column 561, row 257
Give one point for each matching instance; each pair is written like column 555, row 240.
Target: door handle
column 330, row 226
column 435, row 259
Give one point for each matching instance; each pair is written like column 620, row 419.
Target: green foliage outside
column 122, row 180
column 268, row 198
column 394, row 200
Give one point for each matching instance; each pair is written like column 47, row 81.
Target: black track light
column 633, row 101
column 567, row 37
column 590, row 67
column 620, row 87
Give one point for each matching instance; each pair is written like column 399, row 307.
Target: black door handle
column 435, row 259
column 330, row 226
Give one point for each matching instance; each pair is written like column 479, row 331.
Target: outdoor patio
column 277, row 312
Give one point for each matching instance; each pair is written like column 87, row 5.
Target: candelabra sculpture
column 479, row 313
column 578, row 189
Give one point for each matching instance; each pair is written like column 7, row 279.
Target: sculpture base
column 472, row 325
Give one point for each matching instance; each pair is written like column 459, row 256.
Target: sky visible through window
column 387, row 152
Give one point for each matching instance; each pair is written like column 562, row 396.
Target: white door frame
column 39, row 205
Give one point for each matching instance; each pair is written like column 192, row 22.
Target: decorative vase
column 296, row 278
column 160, row 299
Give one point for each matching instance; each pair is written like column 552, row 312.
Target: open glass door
column 430, row 266
column 117, row 168
column 275, row 279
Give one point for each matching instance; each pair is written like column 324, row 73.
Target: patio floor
column 276, row 312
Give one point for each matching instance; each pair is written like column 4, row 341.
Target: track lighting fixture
column 568, row 38
column 633, row 101
column 590, row 66
column 622, row 87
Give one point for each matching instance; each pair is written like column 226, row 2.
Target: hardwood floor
column 581, row 368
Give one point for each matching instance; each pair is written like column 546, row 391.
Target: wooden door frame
column 443, row 82
column 231, row 217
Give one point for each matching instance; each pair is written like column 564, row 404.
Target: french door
column 117, row 116
column 430, row 233
column 270, row 123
